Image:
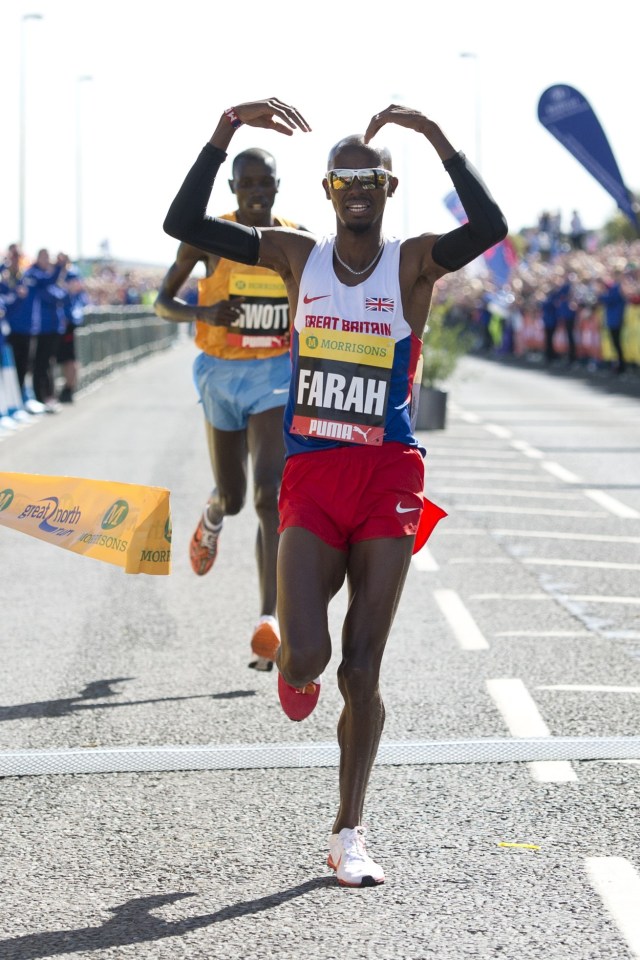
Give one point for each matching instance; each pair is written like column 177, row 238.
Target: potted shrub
column 443, row 346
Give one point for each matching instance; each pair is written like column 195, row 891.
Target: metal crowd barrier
column 112, row 337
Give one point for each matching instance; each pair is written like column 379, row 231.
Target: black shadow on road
column 97, row 690
column 132, row 923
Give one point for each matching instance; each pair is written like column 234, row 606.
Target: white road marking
column 481, row 560
column 464, row 627
column 592, row 564
column 523, row 719
column 560, row 472
column 462, row 532
column 500, row 492
column 503, row 477
column 512, row 596
column 617, row 883
column 559, row 634
column 493, row 457
column 576, row 597
column 536, row 511
column 527, row 449
column 424, row 560
column 556, row 535
column 263, row 756
column 616, row 507
column 582, row 598
column 589, row 688
column 498, row 431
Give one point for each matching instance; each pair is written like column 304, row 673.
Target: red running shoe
column 298, row 702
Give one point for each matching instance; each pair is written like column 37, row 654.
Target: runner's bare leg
column 228, row 453
column 266, row 448
column 310, row 573
column 377, row 570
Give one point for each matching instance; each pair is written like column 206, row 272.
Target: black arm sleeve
column 486, row 225
column 188, row 222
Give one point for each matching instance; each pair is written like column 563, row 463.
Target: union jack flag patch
column 380, row 304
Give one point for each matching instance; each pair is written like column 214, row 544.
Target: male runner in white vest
column 352, row 499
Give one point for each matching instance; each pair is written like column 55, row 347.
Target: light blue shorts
column 233, row 390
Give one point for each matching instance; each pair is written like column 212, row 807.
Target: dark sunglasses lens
column 368, row 179
column 340, row 179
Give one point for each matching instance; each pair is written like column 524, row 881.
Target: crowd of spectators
column 556, row 280
column 553, row 285
column 42, row 301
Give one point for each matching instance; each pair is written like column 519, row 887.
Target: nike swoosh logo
column 401, row 509
column 307, row 299
column 405, row 404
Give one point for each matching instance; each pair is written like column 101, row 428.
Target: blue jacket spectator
column 17, row 300
column 41, row 278
column 75, row 300
column 17, row 297
column 615, row 302
column 614, row 305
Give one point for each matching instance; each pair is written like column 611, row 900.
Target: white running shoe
column 349, row 858
column 34, row 406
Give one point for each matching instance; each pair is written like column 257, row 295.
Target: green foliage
column 620, row 227
column 443, row 346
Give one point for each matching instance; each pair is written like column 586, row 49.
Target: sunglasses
column 370, row 178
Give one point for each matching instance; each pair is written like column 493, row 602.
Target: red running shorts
column 347, row 494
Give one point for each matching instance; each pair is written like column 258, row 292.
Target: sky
column 120, row 97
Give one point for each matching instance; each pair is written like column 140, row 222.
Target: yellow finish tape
column 119, row 523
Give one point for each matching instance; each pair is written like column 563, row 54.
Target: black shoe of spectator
column 66, row 395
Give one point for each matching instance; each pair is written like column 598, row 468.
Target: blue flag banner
column 453, row 205
column 501, row 258
column 569, row 117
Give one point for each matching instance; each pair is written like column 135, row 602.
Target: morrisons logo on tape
column 115, row 515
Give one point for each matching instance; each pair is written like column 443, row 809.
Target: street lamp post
column 79, row 82
column 404, row 172
column 468, row 55
column 23, row 126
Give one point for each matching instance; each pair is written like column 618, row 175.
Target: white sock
column 211, row 527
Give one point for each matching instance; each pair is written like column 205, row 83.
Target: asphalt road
column 520, row 620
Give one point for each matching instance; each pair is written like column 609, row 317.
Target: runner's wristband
column 233, row 118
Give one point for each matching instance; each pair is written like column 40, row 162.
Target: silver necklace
column 357, row 273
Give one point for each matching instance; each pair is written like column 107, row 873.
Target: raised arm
column 486, row 225
column 187, row 219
